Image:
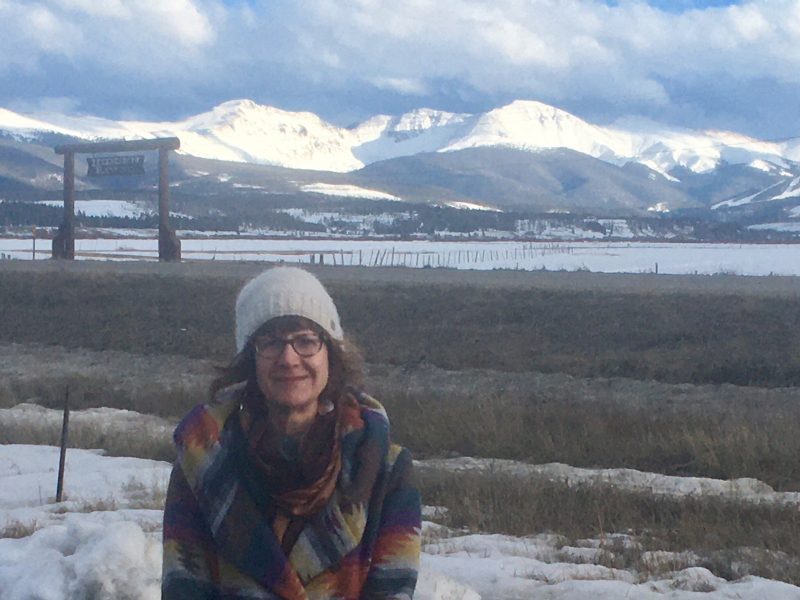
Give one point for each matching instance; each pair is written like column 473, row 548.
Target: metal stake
column 63, row 457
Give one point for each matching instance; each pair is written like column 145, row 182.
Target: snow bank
column 104, row 543
column 498, row 566
column 92, row 483
column 82, row 559
column 744, row 489
column 102, row 422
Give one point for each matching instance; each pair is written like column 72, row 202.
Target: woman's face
column 286, row 377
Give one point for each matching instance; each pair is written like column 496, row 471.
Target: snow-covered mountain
column 243, row 131
column 524, row 156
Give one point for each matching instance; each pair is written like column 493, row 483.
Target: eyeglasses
column 305, row 345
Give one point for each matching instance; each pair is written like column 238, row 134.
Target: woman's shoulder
column 373, row 410
column 203, row 424
column 368, row 404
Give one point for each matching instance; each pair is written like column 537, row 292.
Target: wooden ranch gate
column 169, row 246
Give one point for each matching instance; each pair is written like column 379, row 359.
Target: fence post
column 63, row 456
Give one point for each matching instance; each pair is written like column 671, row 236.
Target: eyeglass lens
column 304, row 345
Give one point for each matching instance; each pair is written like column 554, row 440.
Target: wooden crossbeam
column 169, row 143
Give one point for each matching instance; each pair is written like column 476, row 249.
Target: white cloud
column 139, row 35
column 630, row 54
column 559, row 49
column 412, row 87
column 48, row 32
column 55, row 104
column 181, row 18
column 750, row 23
column 106, row 8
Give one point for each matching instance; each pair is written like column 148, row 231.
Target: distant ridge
column 244, row 131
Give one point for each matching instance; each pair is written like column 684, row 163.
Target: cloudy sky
column 712, row 64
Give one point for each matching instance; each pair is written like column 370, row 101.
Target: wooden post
column 163, row 185
column 169, row 247
column 64, row 240
column 63, row 456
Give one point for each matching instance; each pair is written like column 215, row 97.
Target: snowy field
column 106, row 208
column 103, row 540
column 601, row 257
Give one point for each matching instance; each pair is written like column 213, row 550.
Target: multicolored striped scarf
column 300, row 475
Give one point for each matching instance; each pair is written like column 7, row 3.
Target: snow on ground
column 114, row 208
column 29, row 475
column 618, row 228
column 104, row 542
column 599, row 257
column 783, row 227
column 106, row 208
column 470, row 206
column 42, row 423
column 366, row 222
column 743, row 490
column 747, row 199
column 350, row 191
column 791, row 191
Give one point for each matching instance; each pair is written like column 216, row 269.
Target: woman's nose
column 288, row 353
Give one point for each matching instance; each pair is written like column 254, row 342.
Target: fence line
column 388, row 256
column 392, row 257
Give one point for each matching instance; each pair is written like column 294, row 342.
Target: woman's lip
column 290, row 378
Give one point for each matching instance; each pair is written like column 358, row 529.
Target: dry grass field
column 689, row 376
column 702, row 329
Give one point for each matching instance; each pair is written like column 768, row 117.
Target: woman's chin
column 293, row 402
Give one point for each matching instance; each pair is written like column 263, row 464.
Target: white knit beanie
column 280, row 292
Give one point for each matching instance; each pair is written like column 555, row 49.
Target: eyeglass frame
column 288, row 341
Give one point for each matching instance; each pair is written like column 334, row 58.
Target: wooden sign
column 108, row 166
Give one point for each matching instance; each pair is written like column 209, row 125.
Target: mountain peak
column 425, row 118
column 535, row 109
column 236, row 106
column 531, row 125
column 247, row 113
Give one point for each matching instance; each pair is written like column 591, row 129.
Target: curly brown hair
column 345, row 365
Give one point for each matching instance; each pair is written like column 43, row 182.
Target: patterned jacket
column 219, row 545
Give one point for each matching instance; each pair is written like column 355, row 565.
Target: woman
column 286, row 483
